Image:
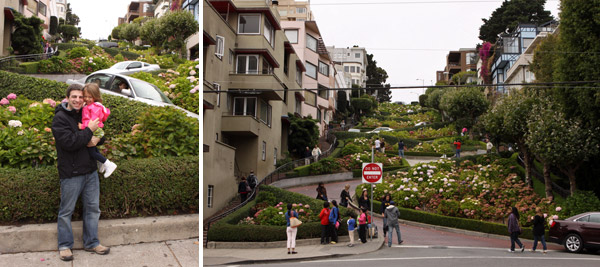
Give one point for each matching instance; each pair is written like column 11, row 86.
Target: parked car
column 130, row 67
column 381, row 129
column 577, row 232
column 107, row 44
column 142, row 91
column 354, row 130
column 423, row 123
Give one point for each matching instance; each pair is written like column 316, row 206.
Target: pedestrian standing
column 252, row 181
column 392, row 214
column 324, row 216
column 514, row 230
column 401, row 149
column 334, row 216
column 362, row 225
column 385, row 202
column 345, row 196
column 291, row 231
column 364, row 201
column 78, row 174
column 307, row 156
column 243, row 189
column 383, row 145
column 316, row 152
column 538, row 230
column 343, row 124
column 464, row 132
column 351, row 227
column 377, row 144
column 457, row 144
column 489, row 146
column 322, row 192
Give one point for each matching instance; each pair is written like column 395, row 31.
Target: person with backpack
column 252, row 181
column 243, row 189
column 334, row 216
column 391, row 215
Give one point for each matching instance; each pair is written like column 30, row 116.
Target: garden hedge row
column 139, row 187
column 390, row 139
column 228, row 230
column 435, row 126
column 123, row 110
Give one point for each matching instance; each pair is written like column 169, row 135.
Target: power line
column 411, row 2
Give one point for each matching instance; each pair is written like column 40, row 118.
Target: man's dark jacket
column 71, row 143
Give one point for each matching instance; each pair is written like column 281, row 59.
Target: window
column 244, row 106
column 269, row 32
column 299, row 76
column 311, row 70
column 283, row 13
column 62, row 9
column 230, row 56
column 357, row 55
column 209, row 196
column 319, row 115
column 352, row 69
column 311, row 43
column 275, row 156
column 42, row 8
column 357, row 69
column 595, row 218
column 527, row 42
column 470, row 58
column 266, row 67
column 310, row 98
column 301, row 10
column 323, row 92
column 292, row 36
column 298, row 108
column 584, row 219
column 134, row 65
column 265, row 112
column 346, row 69
column 286, row 63
column 249, row 24
column 32, row 5
column 217, row 87
column 323, row 68
column 247, row 64
column 264, row 150
column 220, row 47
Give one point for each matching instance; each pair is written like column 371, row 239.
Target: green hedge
column 390, row 139
column 128, row 55
column 29, row 67
column 435, row 126
column 228, row 230
column 123, row 110
column 68, row 46
column 394, row 153
column 139, row 187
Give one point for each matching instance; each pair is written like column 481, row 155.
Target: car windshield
column 148, row 91
column 120, row 66
column 101, row 79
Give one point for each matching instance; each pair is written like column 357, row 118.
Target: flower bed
column 468, row 190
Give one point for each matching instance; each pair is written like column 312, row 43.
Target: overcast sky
column 98, row 18
column 409, row 40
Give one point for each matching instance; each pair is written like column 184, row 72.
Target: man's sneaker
column 110, row 168
column 511, row 251
column 100, row 250
column 545, row 251
column 522, row 249
column 66, row 255
column 101, row 167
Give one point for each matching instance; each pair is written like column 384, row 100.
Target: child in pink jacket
column 95, row 110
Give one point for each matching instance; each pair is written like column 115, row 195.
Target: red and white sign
column 372, row 173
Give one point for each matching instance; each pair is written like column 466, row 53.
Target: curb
column 273, row 244
column 245, row 262
column 44, row 237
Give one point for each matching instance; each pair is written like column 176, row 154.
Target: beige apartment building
column 248, row 68
column 465, row 59
column 292, row 10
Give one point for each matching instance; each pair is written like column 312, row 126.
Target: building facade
column 465, row 59
column 352, row 63
column 249, row 67
column 137, row 9
column 292, row 10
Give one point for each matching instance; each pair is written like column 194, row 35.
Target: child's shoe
column 110, row 167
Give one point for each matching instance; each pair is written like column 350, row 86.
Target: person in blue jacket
column 334, row 215
column 291, row 231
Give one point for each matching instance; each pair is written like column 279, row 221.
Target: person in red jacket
column 458, row 144
column 324, row 216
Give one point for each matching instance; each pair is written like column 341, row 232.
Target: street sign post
column 372, row 173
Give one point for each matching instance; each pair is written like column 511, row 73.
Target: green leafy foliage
column 510, row 14
column 54, row 65
column 580, row 202
column 80, row 51
column 304, row 133
column 27, row 35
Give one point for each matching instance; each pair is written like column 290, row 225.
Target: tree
column 116, row 31
column 151, row 32
column 178, row 26
column 510, row 14
column 342, row 102
column 376, row 79
column 304, row 133
column 53, row 25
column 27, row 36
column 130, row 32
column 465, row 104
column 559, row 141
column 363, row 105
column 68, row 32
column 71, row 18
column 543, row 64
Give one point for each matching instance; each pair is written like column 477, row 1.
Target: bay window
column 247, row 64
column 249, row 24
column 244, row 106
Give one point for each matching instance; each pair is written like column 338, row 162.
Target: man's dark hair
column 72, row 87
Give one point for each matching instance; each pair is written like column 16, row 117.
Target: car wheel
column 573, row 243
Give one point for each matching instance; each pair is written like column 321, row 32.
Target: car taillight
column 552, row 223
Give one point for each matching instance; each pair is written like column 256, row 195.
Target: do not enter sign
column 372, row 173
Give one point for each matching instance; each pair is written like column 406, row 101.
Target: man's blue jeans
column 401, row 153
column 389, row 233
column 88, row 186
column 458, row 153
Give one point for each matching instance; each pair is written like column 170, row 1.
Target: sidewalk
column 310, row 249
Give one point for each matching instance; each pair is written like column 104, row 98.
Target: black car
column 577, row 232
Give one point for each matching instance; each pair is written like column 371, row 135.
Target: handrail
column 28, row 57
column 555, row 187
column 268, row 179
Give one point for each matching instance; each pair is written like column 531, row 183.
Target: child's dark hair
column 326, row 204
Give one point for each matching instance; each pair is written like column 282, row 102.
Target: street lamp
column 423, row 84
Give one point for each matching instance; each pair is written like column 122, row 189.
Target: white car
column 381, row 129
column 142, row 91
column 354, row 130
column 423, row 123
column 130, row 67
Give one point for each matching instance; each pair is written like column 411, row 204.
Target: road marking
column 454, row 258
column 457, row 247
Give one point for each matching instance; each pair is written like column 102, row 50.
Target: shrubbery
column 580, row 202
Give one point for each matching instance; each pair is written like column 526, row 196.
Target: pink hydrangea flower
column 172, row 86
column 11, row 96
column 12, row 109
column 192, row 72
column 4, row 101
column 558, row 209
column 50, row 102
column 555, row 217
column 545, row 215
column 193, row 91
